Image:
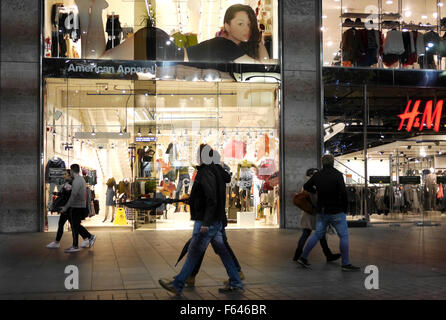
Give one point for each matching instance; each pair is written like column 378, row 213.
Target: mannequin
column 110, row 198
column 431, row 190
column 245, row 177
column 182, row 174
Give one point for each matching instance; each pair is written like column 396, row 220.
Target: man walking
column 77, row 207
column 207, row 204
column 331, row 207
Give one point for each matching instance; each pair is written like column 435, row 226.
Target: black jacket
column 331, row 192
column 208, row 195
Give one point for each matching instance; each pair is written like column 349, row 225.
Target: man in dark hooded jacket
column 207, row 205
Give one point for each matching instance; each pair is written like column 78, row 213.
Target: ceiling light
column 389, row 2
column 120, row 131
column 408, row 13
column 440, row 4
column 159, row 132
column 139, row 132
column 93, row 133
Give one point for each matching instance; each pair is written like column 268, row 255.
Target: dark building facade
column 22, row 109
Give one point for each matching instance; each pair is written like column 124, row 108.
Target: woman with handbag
column 308, row 224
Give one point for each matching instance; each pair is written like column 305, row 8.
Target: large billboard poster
column 224, row 31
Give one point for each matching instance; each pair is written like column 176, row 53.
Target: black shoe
column 230, row 289
column 350, row 267
column 168, row 285
column 333, row 257
column 303, row 262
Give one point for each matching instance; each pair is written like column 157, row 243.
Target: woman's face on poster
column 240, row 27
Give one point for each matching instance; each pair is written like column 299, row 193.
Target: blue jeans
column 339, row 222
column 197, row 248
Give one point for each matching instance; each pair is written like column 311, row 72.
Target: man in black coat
column 207, row 205
column 331, row 207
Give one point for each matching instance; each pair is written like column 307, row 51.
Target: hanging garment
column 263, row 146
column 419, row 44
column 191, row 40
column 114, row 30
column 442, row 47
column 180, row 39
column 440, row 193
column 394, row 43
column 352, row 45
column 235, row 149
column 56, row 163
column 172, row 151
column 266, row 168
column 431, row 41
column 409, row 48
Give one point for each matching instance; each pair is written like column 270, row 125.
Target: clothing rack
column 389, row 21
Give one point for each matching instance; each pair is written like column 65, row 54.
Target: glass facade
column 387, row 133
column 135, row 126
column 398, row 34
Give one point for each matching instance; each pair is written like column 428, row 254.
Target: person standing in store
column 308, row 224
column 62, row 199
column 207, row 203
column 331, row 207
column 77, row 209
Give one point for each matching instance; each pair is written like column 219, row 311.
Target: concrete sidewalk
column 127, row 265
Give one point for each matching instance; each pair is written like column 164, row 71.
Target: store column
column 301, row 116
column 19, row 116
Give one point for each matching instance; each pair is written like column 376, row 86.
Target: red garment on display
column 266, row 169
column 164, row 166
column 262, row 147
column 440, row 193
column 271, row 181
column 235, row 149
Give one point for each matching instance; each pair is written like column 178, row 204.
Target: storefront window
column 195, row 31
column 402, row 155
column 401, row 34
column 138, row 139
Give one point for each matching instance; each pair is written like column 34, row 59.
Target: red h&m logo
column 428, row 119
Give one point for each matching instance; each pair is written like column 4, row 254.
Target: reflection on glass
column 195, row 31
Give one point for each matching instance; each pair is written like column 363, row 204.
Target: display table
column 246, row 219
column 53, row 222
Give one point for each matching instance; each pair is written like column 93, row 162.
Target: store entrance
column 138, row 139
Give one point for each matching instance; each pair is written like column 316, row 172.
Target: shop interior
column 405, row 170
column 70, row 26
column 404, row 34
column 138, row 139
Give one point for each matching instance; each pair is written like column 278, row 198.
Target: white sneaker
column 92, row 240
column 85, row 243
column 53, row 245
column 72, row 249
